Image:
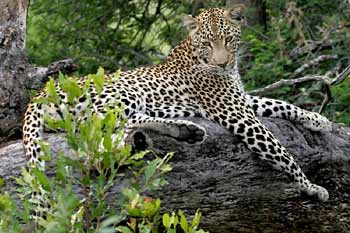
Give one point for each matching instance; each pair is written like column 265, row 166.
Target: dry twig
column 289, row 82
column 313, row 62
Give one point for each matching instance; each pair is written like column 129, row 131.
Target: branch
column 289, row 82
column 328, row 97
column 341, row 77
column 39, row 75
column 310, row 46
column 313, row 62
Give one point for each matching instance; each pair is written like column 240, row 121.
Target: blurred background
column 281, row 40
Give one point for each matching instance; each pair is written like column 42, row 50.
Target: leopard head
column 215, row 36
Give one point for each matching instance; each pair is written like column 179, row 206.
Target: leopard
column 199, row 78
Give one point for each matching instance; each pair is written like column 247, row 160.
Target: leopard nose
column 223, row 65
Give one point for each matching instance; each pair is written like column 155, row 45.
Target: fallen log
column 235, row 191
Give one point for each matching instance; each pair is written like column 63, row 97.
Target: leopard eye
column 237, row 16
column 206, row 43
column 228, row 39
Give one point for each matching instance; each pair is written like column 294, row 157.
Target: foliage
column 296, row 33
column 340, row 106
column 97, row 163
column 107, row 33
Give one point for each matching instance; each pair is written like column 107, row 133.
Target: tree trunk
column 13, row 66
column 236, row 191
column 17, row 75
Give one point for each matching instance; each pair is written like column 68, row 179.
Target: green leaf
column 98, row 80
column 157, row 183
column 5, row 201
column 71, row 88
column 74, row 92
column 46, row 155
column 174, row 219
column 166, row 221
column 123, row 229
column 52, row 93
column 196, row 220
column 42, row 178
column 61, row 172
column 115, row 219
column 26, row 211
column 166, row 168
column 113, row 25
column 115, row 76
column 27, row 177
column 183, row 222
column 139, row 155
column 144, row 228
column 151, row 169
column 86, row 180
column 20, row 181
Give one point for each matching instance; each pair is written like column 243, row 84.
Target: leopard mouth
column 230, row 68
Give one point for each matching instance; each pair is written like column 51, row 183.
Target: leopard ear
column 191, row 23
column 236, row 14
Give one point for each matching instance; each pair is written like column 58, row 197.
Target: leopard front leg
column 240, row 120
column 181, row 130
column 266, row 107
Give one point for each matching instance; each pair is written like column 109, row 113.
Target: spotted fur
column 199, row 78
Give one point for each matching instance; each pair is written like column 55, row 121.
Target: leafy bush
column 97, row 162
column 297, row 32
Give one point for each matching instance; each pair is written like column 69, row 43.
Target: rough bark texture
column 13, row 66
column 17, row 75
column 236, row 191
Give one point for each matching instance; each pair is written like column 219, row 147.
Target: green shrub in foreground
column 93, row 167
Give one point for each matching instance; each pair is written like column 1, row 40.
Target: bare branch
column 290, row 82
column 326, row 99
column 39, row 75
column 313, row 62
column 341, row 76
column 310, row 46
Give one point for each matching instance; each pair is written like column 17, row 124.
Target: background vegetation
column 279, row 38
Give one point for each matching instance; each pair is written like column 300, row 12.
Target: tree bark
column 17, row 75
column 236, row 191
column 13, row 66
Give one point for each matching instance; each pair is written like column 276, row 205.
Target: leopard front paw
column 191, row 133
column 316, row 122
